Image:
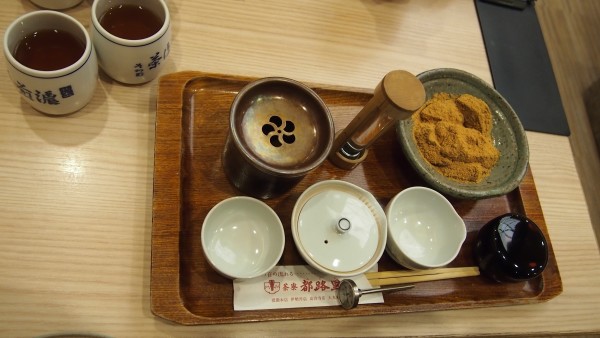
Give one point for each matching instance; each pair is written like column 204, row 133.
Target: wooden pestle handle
column 405, row 277
column 396, row 97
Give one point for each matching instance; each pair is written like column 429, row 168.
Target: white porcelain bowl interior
column 424, row 229
column 242, row 237
column 339, row 228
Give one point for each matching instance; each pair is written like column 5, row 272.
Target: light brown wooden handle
column 403, row 277
column 396, row 97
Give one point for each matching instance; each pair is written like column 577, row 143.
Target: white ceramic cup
column 131, row 61
column 424, row 229
column 56, row 4
column 242, row 237
column 54, row 92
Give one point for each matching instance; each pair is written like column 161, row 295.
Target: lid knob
column 343, row 225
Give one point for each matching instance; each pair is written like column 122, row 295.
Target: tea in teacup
column 132, row 38
column 51, row 62
column 131, row 22
column 49, row 49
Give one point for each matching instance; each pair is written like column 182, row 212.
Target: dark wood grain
column 191, row 128
column 574, row 52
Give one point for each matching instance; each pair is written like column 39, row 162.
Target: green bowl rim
column 456, row 188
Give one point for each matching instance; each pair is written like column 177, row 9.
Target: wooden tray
column 191, row 128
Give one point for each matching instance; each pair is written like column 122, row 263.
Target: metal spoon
column 349, row 293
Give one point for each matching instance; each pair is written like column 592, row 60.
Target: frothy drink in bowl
column 51, row 61
column 132, row 38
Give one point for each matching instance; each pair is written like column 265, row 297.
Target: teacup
column 242, row 237
column 279, row 131
column 132, row 38
column 424, row 229
column 511, row 248
column 51, row 61
column 56, row 4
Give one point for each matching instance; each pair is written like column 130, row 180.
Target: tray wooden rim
column 165, row 292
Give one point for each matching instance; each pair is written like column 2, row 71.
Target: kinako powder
column 453, row 133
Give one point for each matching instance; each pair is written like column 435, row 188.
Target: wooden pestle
column 397, row 96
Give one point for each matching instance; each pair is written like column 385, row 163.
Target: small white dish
column 424, row 230
column 242, row 237
column 339, row 229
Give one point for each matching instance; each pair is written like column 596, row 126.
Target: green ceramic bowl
column 507, row 133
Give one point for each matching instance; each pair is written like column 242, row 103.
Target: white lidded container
column 339, row 228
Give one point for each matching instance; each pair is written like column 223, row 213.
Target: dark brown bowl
column 280, row 130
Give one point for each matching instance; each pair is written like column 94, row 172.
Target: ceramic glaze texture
column 349, row 233
column 132, row 61
column 242, row 237
column 339, row 228
column 507, row 132
column 424, row 230
column 55, row 92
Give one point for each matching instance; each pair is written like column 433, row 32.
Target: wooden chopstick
column 402, row 277
column 409, row 273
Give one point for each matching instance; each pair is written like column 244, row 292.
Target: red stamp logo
column 272, row 286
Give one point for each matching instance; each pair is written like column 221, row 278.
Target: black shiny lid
column 520, row 245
